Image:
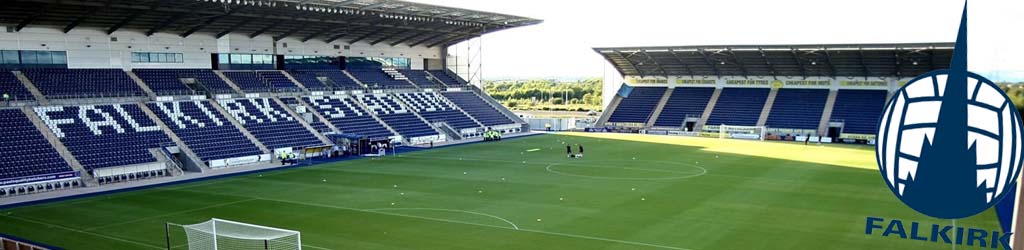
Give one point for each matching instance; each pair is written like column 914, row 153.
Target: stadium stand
column 346, row 115
column 333, row 79
column 249, row 81
column 684, row 102
column 435, row 108
column 278, row 81
column 317, row 124
column 739, row 106
column 169, row 81
column 376, row 78
column 204, row 130
column 83, row 83
column 797, row 108
column 396, row 116
column 478, row 108
column 637, row 107
column 101, row 136
column 270, row 123
column 10, row 85
column 448, row 80
column 420, row 78
column 859, row 110
column 26, row 151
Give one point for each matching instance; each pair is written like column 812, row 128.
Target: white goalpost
column 218, row 234
column 741, row 132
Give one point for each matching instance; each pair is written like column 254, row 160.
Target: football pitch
column 628, row 192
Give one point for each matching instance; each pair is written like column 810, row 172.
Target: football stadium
column 358, row 124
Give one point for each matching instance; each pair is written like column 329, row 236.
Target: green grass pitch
column 628, row 192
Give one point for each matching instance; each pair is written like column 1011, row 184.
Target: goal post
column 739, row 132
column 218, row 234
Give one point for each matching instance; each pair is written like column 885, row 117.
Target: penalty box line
column 457, row 222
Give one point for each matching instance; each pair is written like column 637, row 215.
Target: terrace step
column 195, row 161
column 707, row 110
column 59, row 146
column 302, row 121
column 767, row 109
column 227, row 115
column 32, row 88
column 661, row 105
column 826, row 115
column 142, row 84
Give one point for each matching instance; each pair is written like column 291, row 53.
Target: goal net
column 217, row 234
column 738, row 132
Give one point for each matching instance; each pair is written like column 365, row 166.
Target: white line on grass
column 167, row 214
column 463, row 222
column 84, row 232
column 447, row 210
column 688, row 175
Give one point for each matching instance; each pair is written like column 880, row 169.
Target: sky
column 562, row 45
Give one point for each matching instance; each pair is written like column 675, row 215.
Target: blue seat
column 345, row 114
column 396, row 116
column 101, row 136
column 83, row 83
column 436, row 108
column 420, row 78
column 860, row 110
column 638, row 106
column 683, row 103
column 448, row 80
column 797, row 108
column 168, row 81
column 26, row 151
column 376, row 78
column 477, row 108
column 208, row 133
column 270, row 123
column 739, row 106
column 10, row 85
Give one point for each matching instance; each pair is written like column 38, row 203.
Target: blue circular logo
column 947, row 150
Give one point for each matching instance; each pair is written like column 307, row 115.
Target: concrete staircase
column 374, row 115
column 229, row 82
column 302, row 121
column 297, row 83
column 319, row 116
column 194, row 161
column 350, row 76
column 494, row 104
column 707, row 110
column 32, row 88
column 407, row 107
column 240, row 128
column 142, row 85
column 608, row 111
column 439, row 82
column 826, row 115
column 659, row 107
column 59, row 146
column 767, row 107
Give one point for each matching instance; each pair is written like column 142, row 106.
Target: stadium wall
column 93, row 48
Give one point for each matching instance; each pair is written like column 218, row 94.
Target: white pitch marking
column 447, row 210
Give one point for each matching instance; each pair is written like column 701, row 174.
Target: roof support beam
column 831, row 66
column 287, row 33
column 364, row 36
column 707, row 59
column 771, row 66
column 736, row 58
column 680, row 60
column 392, row 35
column 234, row 27
column 318, row 33
column 631, row 64
column 209, row 21
column 124, row 21
column 799, row 62
column 421, row 41
column 655, row 62
column 78, row 20
column 416, row 34
column 32, row 18
column 451, row 40
column 863, row 63
column 264, row 29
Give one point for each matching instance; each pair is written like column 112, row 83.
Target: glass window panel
column 236, row 59
column 179, row 58
column 246, row 59
column 29, row 57
column 59, row 57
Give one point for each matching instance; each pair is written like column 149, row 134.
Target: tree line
column 546, row 94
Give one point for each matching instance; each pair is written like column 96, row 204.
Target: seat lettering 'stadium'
column 949, row 141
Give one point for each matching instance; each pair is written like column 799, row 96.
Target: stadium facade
column 835, row 92
column 116, row 91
